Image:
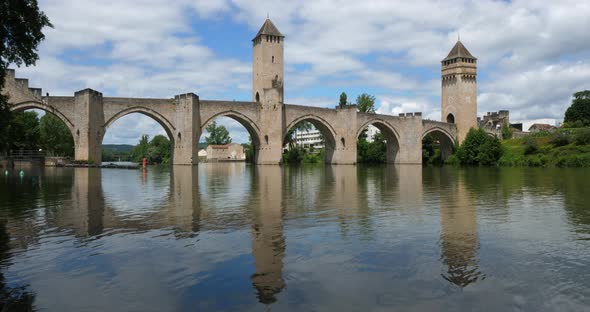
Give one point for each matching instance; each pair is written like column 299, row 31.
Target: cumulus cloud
column 532, row 54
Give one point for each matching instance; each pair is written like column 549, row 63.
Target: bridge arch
column 245, row 121
column 165, row 123
column 392, row 137
column 325, row 128
column 152, row 114
column 443, row 138
column 44, row 107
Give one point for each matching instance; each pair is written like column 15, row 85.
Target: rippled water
column 338, row 238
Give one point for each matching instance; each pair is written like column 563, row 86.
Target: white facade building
column 371, row 131
column 309, row 139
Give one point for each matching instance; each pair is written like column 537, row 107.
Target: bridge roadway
column 88, row 115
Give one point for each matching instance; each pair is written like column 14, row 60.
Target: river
column 237, row 237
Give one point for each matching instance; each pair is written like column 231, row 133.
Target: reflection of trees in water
column 18, row 298
column 574, row 184
column 499, row 185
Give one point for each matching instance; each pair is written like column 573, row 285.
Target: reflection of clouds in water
column 105, row 276
column 131, row 194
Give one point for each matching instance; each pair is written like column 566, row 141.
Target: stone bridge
column 88, row 115
column 267, row 118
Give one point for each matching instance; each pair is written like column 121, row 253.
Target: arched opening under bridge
column 437, row 146
column 135, row 134
column 229, row 137
column 38, row 127
column 309, row 139
column 377, row 142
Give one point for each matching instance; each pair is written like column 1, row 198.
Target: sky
column 532, row 55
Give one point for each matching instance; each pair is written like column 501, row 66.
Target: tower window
column 273, row 58
column 450, row 118
column 257, row 97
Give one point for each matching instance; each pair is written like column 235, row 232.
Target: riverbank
column 544, row 153
column 113, row 165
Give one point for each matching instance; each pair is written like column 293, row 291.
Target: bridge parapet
column 18, row 89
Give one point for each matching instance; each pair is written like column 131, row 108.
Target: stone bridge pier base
column 271, row 123
column 410, row 142
column 187, row 132
column 89, row 121
column 345, row 141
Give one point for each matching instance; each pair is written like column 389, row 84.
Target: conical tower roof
column 268, row 28
column 459, row 50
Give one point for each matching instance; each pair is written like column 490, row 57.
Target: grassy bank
column 546, row 150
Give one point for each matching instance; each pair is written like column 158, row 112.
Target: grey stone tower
column 459, row 89
column 267, row 61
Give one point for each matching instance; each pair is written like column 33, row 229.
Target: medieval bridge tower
column 459, row 90
column 267, row 60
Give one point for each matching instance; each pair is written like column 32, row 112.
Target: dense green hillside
column 564, row 148
column 118, row 147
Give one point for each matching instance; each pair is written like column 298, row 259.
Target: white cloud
column 394, row 105
column 532, row 54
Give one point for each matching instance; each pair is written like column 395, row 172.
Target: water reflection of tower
column 268, row 241
column 458, row 238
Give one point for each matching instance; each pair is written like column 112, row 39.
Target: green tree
column 159, row 150
column 429, row 149
column 530, row 145
column 249, row 150
column 140, row 151
column 372, row 152
column 365, row 103
column 24, row 131
column 479, row 148
column 20, row 34
column 578, row 113
column 506, row 131
column 582, row 137
column 217, row 135
column 55, row 137
column 343, row 100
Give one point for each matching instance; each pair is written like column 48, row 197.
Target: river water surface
column 320, row 238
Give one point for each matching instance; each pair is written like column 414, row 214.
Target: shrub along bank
column 563, row 148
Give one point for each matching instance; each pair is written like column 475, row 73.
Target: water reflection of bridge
column 190, row 204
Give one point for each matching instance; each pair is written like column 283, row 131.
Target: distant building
column 371, row 132
column 539, row 127
column 309, row 139
column 494, row 120
column 226, row 152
